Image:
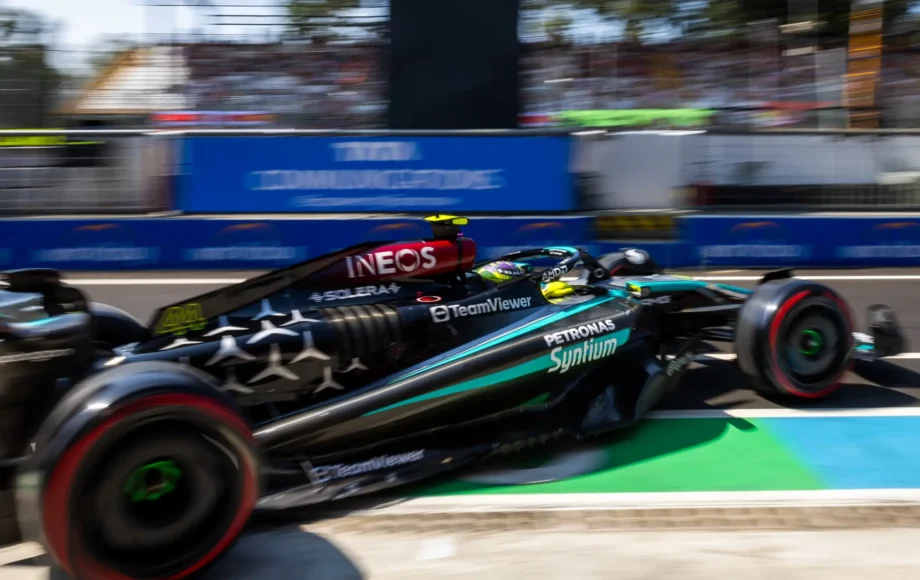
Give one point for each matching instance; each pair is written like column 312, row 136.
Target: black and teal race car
column 144, row 448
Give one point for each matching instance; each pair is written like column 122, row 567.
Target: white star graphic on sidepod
column 328, row 382
column 228, row 348
column 179, row 342
column 309, row 350
column 224, row 326
column 269, row 329
column 267, row 310
column 274, row 368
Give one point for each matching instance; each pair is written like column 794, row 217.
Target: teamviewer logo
column 440, row 313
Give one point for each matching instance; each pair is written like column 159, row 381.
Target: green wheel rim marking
column 139, row 490
column 814, row 343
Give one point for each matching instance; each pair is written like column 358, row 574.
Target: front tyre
column 794, row 338
column 160, row 489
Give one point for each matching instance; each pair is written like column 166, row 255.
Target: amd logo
column 376, row 151
column 554, row 273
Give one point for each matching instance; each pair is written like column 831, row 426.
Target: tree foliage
column 27, row 81
column 637, row 17
column 22, row 26
column 316, row 18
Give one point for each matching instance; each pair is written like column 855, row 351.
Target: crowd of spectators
column 900, row 86
column 345, row 85
column 319, row 86
column 674, row 75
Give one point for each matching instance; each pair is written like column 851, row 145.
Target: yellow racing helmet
column 557, row 290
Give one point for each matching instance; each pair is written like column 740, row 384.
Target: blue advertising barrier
column 182, row 243
column 849, row 241
column 378, row 174
column 186, row 243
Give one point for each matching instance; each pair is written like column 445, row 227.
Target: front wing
column 885, row 337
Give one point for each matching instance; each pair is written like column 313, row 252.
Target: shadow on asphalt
column 718, row 384
column 889, row 375
column 277, row 554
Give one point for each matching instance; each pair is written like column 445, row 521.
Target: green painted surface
column 670, row 455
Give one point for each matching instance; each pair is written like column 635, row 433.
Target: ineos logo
column 406, row 260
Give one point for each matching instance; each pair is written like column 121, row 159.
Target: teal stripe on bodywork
column 620, row 294
column 667, row 285
column 563, row 249
column 510, row 335
column 536, row 365
column 504, row 376
column 738, row 289
column 682, row 285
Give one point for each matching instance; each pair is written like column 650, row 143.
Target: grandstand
column 345, row 85
column 328, row 81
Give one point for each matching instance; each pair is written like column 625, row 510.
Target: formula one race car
column 144, row 448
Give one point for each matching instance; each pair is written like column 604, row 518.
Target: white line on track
column 20, row 552
column 226, row 281
column 785, row 413
column 732, row 356
column 436, row 549
column 878, row 278
column 655, row 500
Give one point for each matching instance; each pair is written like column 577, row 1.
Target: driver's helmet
column 500, row 271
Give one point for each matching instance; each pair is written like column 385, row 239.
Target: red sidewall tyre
column 772, row 319
column 61, row 497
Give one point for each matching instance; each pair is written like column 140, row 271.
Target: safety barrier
column 757, row 170
column 175, row 243
column 287, row 171
column 322, row 172
column 790, row 240
column 804, row 240
column 215, row 243
column 487, row 172
column 83, row 172
column 631, row 226
column 473, row 172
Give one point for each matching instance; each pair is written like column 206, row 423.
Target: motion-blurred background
column 323, row 63
column 639, row 117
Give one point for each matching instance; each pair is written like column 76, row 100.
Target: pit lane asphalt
column 714, row 384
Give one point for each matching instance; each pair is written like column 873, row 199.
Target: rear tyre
column 794, row 338
column 159, row 490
